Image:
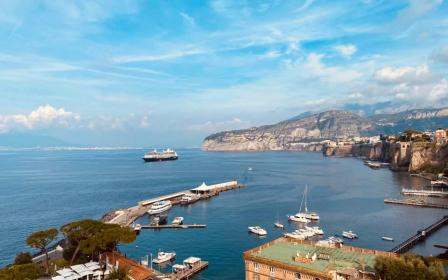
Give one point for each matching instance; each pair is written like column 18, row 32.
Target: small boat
column 385, row 238
column 316, row 230
column 295, row 235
column 160, row 207
column 349, row 234
column 249, row 169
column 312, row 216
column 306, row 233
column 164, row 257
column 336, row 239
column 137, row 228
column 189, row 198
column 257, row 230
column 299, row 217
column 178, row 220
column 279, row 225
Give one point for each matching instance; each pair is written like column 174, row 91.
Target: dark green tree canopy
column 23, row 258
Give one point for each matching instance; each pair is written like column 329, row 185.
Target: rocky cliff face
column 295, row 134
column 306, row 132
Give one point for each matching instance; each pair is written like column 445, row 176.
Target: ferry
column 257, row 230
column 164, row 257
column 160, row 207
column 160, row 156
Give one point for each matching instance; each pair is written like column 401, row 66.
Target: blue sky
column 168, row 73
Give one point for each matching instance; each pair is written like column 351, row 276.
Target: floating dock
column 189, row 272
column 420, row 236
column 174, row 226
column 415, row 202
column 126, row 217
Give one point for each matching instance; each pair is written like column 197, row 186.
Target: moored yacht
column 257, row 230
column 349, row 234
column 178, row 221
column 316, row 230
column 160, row 207
column 164, row 257
column 299, row 217
column 312, row 216
column 279, row 225
column 295, row 235
column 336, row 239
column 189, row 198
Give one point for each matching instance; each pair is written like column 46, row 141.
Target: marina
column 175, row 226
column 421, row 192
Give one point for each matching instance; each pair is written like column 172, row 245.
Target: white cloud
column 441, row 55
column 189, row 19
column 164, row 56
column 43, row 117
column 212, row 127
column 346, row 50
column 316, row 67
column 270, row 54
column 416, row 74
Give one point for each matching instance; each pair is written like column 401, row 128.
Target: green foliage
column 21, row 272
column 118, row 274
column 41, row 239
column 90, row 238
column 23, row 258
column 408, row 266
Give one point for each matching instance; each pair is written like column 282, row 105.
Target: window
column 256, row 277
column 256, row 267
column 272, row 271
column 298, row 276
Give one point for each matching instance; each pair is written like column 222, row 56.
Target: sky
column 168, row 73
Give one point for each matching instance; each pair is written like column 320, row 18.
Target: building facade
column 290, row 259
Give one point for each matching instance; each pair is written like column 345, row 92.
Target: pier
column 431, row 192
column 420, row 236
column 174, row 226
column 415, row 202
column 126, row 217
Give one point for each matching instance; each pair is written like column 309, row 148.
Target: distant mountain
column 26, row 140
column 334, row 124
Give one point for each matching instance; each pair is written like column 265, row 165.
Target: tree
column 21, row 272
column 118, row 274
column 23, row 258
column 40, row 240
column 408, row 266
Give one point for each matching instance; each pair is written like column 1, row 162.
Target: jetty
column 190, row 267
column 420, row 236
column 415, row 202
column 126, row 217
column 432, row 192
column 174, row 226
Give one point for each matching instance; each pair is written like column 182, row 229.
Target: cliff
column 297, row 134
column 402, row 156
column 309, row 132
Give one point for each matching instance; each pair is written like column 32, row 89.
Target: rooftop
column 326, row 259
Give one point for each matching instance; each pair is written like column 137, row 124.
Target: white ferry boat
column 160, row 156
column 164, row 257
column 257, row 230
column 160, row 207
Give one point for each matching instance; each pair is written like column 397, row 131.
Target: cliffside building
column 440, row 136
column 291, row 259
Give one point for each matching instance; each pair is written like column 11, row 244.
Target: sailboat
column 277, row 224
column 309, row 215
column 300, row 217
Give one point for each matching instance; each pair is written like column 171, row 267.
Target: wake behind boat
column 160, row 156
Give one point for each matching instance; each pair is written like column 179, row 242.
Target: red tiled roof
column 135, row 270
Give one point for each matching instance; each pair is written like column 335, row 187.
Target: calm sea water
column 41, row 189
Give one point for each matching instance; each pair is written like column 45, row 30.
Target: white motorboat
column 295, row 235
column 306, row 233
column 189, row 198
column 316, row 230
column 299, row 217
column 311, row 215
column 257, row 230
column 385, row 238
column 137, row 228
column 164, row 257
column 160, row 207
column 178, row 220
column 279, row 225
column 349, row 234
column 336, row 239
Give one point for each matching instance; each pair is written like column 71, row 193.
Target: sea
column 42, row 188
